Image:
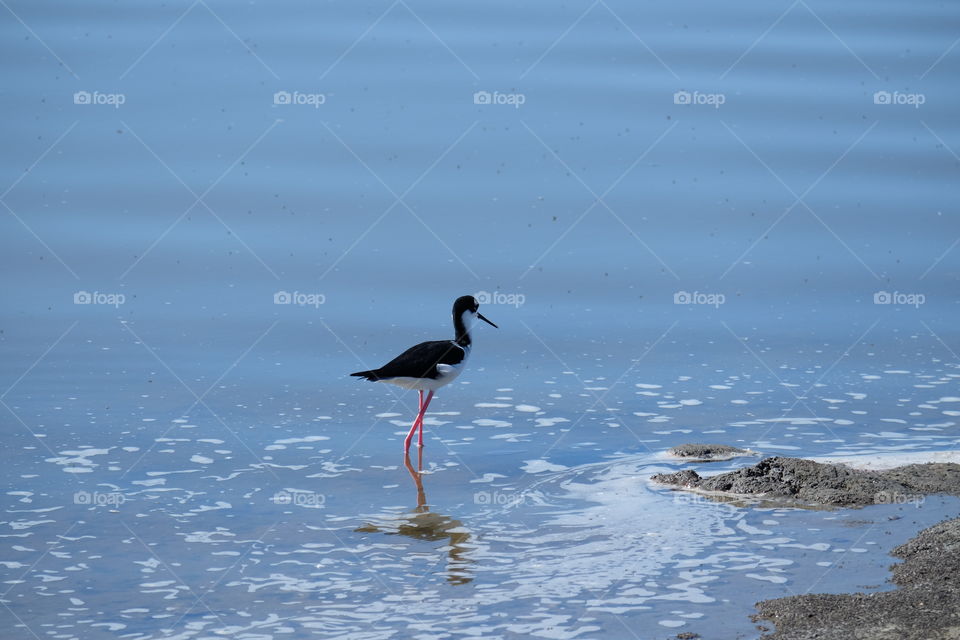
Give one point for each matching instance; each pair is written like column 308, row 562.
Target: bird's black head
column 465, row 309
column 465, row 303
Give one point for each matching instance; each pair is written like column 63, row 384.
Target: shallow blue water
column 185, row 458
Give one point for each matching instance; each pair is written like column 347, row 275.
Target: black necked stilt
column 431, row 365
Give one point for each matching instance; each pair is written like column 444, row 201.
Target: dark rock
column 807, row 481
column 706, row 452
column 687, row 479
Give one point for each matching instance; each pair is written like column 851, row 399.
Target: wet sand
column 708, row 452
column 926, row 604
column 808, row 482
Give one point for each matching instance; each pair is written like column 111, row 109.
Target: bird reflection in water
column 423, row 524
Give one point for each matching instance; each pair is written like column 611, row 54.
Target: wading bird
column 431, row 365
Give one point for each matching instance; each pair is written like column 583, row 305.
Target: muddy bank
column 926, row 606
column 707, row 452
column 806, row 481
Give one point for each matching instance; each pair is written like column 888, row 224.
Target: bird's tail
column 367, row 375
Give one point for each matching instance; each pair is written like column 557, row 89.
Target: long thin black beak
column 480, row 315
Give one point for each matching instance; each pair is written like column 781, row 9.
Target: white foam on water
column 488, row 477
column 153, row 482
column 541, row 466
column 302, row 439
column 208, row 537
column 880, row 461
column 78, row 461
column 489, row 422
column 769, row 577
column 511, row 437
column 549, row 422
column 20, row 525
column 672, row 624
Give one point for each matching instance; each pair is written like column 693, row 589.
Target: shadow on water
column 423, row 524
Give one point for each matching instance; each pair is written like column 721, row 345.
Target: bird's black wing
column 421, row 361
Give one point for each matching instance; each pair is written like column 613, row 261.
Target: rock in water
column 827, row 484
column 707, row 452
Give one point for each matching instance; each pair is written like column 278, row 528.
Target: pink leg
column 416, row 423
column 423, row 411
